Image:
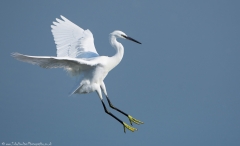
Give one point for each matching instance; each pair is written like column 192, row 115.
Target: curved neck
column 116, row 59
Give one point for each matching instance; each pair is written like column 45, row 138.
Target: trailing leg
column 131, row 119
column 123, row 123
column 116, row 118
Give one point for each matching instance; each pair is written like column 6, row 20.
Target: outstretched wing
column 73, row 65
column 72, row 41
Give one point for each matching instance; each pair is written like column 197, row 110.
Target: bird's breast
column 99, row 74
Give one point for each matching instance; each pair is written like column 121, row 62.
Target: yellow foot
column 128, row 127
column 131, row 119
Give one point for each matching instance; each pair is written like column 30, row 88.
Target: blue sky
column 182, row 82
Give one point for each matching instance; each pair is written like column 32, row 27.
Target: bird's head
column 120, row 34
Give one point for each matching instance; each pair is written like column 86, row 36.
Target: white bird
column 76, row 53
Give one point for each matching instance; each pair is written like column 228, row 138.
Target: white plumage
column 76, row 53
column 71, row 40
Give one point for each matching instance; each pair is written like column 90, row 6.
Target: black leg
column 105, row 109
column 124, row 124
column 110, row 104
column 131, row 119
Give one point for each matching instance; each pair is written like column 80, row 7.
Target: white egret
column 76, row 53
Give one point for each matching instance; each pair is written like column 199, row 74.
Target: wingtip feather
column 55, row 23
column 18, row 56
column 64, row 18
column 59, row 21
column 15, row 54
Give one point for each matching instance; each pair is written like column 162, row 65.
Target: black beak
column 129, row 38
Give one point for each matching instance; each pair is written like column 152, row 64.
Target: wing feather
column 71, row 40
column 73, row 65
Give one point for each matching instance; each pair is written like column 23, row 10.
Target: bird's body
column 95, row 76
column 76, row 53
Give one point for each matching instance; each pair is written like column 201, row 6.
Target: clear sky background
column 183, row 82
